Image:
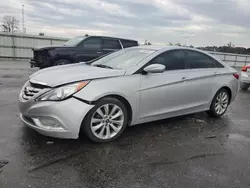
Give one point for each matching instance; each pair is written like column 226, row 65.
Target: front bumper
column 42, row 64
column 33, row 64
column 68, row 113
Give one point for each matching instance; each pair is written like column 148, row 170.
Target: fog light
column 47, row 122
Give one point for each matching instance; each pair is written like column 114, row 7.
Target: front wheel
column 219, row 104
column 106, row 121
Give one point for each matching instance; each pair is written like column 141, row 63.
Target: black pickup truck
column 79, row 49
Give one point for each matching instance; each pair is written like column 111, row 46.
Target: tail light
column 244, row 68
column 236, row 75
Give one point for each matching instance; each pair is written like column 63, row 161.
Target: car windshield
column 74, row 41
column 124, row 59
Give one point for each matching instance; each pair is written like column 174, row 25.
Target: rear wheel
column 220, row 103
column 61, row 62
column 244, row 86
column 106, row 121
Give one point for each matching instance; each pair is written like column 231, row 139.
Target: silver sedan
column 128, row 87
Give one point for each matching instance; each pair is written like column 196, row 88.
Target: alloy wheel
column 107, row 121
column 221, row 103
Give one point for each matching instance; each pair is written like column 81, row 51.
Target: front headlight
column 62, row 92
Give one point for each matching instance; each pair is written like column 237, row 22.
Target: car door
column 164, row 94
column 202, row 75
column 89, row 49
column 110, row 45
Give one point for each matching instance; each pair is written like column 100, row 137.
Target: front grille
column 29, row 92
column 32, row 90
column 40, row 56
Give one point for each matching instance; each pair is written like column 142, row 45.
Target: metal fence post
column 224, row 57
column 235, row 61
column 51, row 41
column 13, row 46
column 246, row 61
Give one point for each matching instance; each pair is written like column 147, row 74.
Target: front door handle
column 184, row 78
column 216, row 73
column 99, row 52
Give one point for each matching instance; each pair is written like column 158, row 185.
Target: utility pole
column 186, row 36
column 23, row 18
column 186, row 40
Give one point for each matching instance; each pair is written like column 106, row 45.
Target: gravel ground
column 191, row 151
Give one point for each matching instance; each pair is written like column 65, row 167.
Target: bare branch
column 10, row 24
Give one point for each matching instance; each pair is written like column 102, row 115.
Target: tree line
column 227, row 49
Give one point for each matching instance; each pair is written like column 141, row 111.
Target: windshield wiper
column 89, row 62
column 103, row 66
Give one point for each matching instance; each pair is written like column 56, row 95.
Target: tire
column 97, row 127
column 218, row 104
column 61, row 62
column 244, row 86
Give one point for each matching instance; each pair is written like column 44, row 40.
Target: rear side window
column 111, row 44
column 197, row 60
column 128, row 43
column 173, row 60
column 92, row 43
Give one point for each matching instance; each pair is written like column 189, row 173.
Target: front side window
column 74, row 41
column 111, row 44
column 197, row 60
column 91, row 43
column 173, row 60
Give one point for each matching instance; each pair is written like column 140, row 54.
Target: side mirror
column 155, row 68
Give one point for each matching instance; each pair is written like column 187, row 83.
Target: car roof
column 166, row 48
column 107, row 37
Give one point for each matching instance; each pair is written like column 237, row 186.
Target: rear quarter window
column 218, row 64
column 129, row 43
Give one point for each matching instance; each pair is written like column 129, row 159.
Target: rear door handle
column 216, row 73
column 99, row 52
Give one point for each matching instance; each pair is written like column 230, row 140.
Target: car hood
column 64, row 74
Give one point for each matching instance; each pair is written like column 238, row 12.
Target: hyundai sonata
column 128, row 87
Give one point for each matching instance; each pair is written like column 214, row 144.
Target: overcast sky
column 207, row 22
